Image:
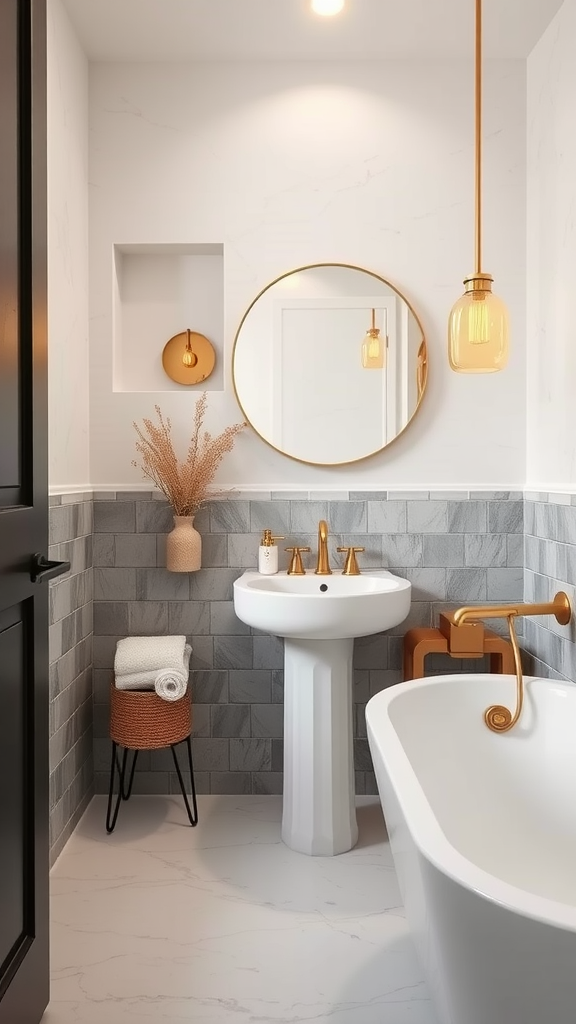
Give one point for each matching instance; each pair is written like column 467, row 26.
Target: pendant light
column 373, row 347
column 478, row 325
column 189, row 358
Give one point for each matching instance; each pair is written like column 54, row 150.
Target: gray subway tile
column 103, row 550
column 483, row 550
column 467, row 516
column 110, row 618
column 277, row 755
column 230, row 517
column 371, row 651
column 211, row 754
column 427, row 517
column 200, row 719
column 250, row 686
column 135, row 549
column 148, row 618
column 225, row 783
column 362, row 758
column 214, row 550
column 243, row 550
column 154, row 517
column 114, row 517
column 347, row 516
column 402, row 549
column 231, row 720
column 161, row 585
column 223, row 619
column 213, row 584
column 189, row 618
column 268, row 652
column 252, row 755
column 427, row 584
column 202, row 652
column 209, row 687
column 387, row 516
column 466, row 585
column 135, row 495
column 369, row 558
column 267, row 783
column 270, row 515
column 277, row 691
column 505, row 517
column 233, row 652
column 115, row 584
column 60, row 524
column 368, row 495
column 305, row 516
column 515, row 550
column 443, row 551
column 505, row 584
column 267, row 720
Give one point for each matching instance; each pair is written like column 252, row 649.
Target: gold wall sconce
column 478, row 326
column 188, row 358
column 374, row 347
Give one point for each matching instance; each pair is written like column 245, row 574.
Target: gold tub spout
column 322, row 564
column 497, row 717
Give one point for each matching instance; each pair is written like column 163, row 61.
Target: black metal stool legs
column 126, row 781
column 192, row 816
column 123, row 793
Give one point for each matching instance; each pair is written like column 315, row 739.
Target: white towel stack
column 158, row 663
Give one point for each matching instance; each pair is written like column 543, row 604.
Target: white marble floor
column 223, row 923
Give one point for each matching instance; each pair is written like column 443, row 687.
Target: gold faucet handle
column 351, row 565
column 296, row 568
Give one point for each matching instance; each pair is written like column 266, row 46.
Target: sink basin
column 319, row 616
column 322, row 607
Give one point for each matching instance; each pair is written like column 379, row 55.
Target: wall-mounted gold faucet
column 497, row 717
column 323, row 564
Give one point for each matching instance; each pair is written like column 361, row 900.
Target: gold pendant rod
column 478, row 156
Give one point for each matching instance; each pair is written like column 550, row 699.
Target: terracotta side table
column 472, row 640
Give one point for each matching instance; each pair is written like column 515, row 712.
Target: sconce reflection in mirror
column 374, row 347
column 299, row 364
column 188, row 357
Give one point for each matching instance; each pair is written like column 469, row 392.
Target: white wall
column 552, row 257
column 291, row 164
column 67, row 255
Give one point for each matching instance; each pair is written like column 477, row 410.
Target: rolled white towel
column 171, row 685
column 148, row 653
column 136, row 680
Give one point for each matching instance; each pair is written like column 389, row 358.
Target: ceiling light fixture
column 327, row 7
column 478, row 326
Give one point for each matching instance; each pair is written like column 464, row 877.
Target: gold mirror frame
column 421, row 369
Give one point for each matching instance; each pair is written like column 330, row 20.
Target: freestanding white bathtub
column 483, row 833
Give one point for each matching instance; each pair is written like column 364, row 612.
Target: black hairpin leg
column 192, row 816
column 123, row 792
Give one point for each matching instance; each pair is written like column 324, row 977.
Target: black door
column 23, row 516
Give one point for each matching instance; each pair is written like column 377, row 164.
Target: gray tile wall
column 454, row 547
column 550, row 566
column 71, row 600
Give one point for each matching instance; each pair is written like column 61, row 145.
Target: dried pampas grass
column 185, row 484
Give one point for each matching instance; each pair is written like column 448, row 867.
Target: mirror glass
column 329, row 364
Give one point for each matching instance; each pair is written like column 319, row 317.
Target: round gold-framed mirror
column 330, row 364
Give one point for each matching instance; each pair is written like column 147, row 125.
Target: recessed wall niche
column 160, row 290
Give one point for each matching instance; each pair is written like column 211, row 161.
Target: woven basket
column 141, row 720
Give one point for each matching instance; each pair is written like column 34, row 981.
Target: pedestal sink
column 319, row 616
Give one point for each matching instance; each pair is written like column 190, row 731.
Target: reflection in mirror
column 329, row 364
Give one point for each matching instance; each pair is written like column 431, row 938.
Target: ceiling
column 278, row 30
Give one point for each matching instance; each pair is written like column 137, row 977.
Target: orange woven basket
column 141, row 720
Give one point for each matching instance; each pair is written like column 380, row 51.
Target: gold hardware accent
column 351, row 565
column 188, row 358
column 268, row 540
column 323, row 564
column 296, row 568
column 497, row 717
column 422, row 371
column 374, row 347
column 478, row 324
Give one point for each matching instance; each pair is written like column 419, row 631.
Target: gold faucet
column 497, row 717
column 322, row 564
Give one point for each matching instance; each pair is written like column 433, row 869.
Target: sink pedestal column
column 319, row 814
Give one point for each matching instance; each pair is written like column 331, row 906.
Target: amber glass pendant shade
column 478, row 330
column 373, row 347
column 478, row 327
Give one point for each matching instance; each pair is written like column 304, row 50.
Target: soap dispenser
column 268, row 554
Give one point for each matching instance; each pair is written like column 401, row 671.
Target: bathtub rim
column 428, row 836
